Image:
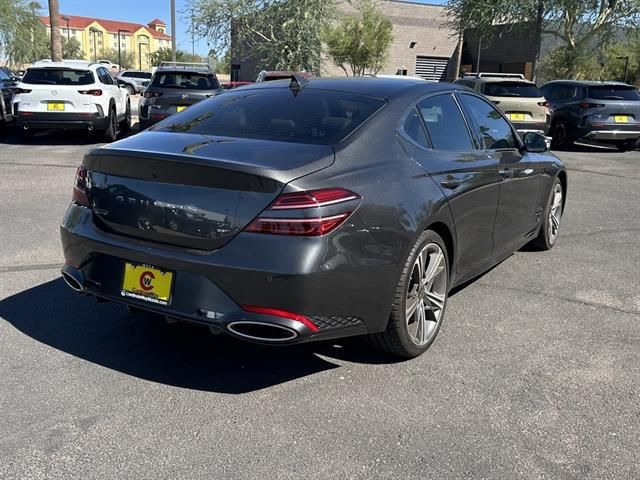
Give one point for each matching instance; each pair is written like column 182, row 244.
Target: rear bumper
column 69, row 121
column 538, row 127
column 210, row 287
column 612, row 134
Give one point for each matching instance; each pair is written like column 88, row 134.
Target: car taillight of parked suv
column 603, row 112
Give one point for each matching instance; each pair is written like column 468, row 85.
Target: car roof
column 588, row 83
column 496, row 80
column 65, row 64
column 370, row 86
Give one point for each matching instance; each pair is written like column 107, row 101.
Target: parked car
column 7, row 84
column 232, row 85
column 312, row 209
column 133, row 80
column 173, row 88
column 269, row 75
column 522, row 102
column 605, row 112
column 71, row 95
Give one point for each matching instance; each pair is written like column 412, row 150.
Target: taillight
column 282, row 314
column 18, row 91
column 80, row 187
column 496, row 102
column 543, row 104
column 96, row 92
column 311, row 226
column 151, row 94
column 586, row 105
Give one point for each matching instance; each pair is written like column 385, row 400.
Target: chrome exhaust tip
column 73, row 278
column 25, row 127
column 262, row 332
column 90, row 128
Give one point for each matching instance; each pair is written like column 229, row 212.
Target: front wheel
column 420, row 300
column 549, row 230
column 561, row 137
column 111, row 133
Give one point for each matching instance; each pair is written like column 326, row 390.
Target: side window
column 105, row 77
column 495, row 132
column 412, row 126
column 445, row 123
column 128, row 74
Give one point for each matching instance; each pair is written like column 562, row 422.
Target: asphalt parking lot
column 535, row 374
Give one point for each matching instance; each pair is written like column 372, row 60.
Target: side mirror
column 145, row 84
column 535, row 142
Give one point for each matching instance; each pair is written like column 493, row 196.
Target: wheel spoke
column 421, row 324
column 554, row 222
column 436, row 266
column 436, row 301
column 412, row 305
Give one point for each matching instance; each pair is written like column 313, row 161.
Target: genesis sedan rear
column 312, row 209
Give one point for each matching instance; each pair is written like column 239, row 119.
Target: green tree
column 164, row 55
column 72, row 49
column 360, row 42
column 282, row 34
column 111, row 54
column 580, row 26
column 23, row 37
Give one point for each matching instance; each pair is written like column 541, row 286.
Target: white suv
column 71, row 95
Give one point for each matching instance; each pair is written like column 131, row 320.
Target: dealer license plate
column 180, row 108
column 55, row 107
column 147, row 283
column 517, row 116
column 621, row 118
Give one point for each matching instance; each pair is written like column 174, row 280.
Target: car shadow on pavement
column 60, row 137
column 181, row 355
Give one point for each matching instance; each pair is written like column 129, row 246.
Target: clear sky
column 143, row 11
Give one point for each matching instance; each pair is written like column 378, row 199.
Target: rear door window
column 312, row 116
column 185, row 80
column 445, row 123
column 613, row 92
column 58, row 76
column 105, row 76
column 495, row 132
column 412, row 126
column 512, row 89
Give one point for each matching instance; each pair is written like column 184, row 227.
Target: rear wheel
column 111, row 132
column 132, row 91
column 549, row 230
column 561, row 136
column 420, row 300
column 126, row 123
column 627, row 145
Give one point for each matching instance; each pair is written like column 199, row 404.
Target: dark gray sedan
column 313, row 209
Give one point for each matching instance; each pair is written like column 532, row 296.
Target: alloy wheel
column 555, row 213
column 426, row 294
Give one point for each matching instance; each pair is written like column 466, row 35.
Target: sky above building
column 143, row 11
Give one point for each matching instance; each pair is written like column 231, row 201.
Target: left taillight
column 80, row 187
column 19, row 91
column 96, row 92
column 340, row 203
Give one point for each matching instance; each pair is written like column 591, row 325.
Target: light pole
column 626, row 66
column 140, row 55
column 119, row 51
column 173, row 31
column 94, row 30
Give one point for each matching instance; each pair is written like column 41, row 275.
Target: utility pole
column 536, row 58
column 479, row 52
column 457, row 64
column 173, row 30
column 56, row 40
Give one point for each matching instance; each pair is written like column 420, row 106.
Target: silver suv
column 134, row 79
column 520, row 100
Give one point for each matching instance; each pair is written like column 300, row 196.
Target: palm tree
column 56, row 40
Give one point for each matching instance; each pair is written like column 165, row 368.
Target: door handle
column 506, row 173
column 450, row 182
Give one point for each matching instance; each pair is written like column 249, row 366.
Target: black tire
column 131, row 89
column 396, row 339
column 111, row 132
column 125, row 126
column 25, row 135
column 545, row 239
column 562, row 138
column 627, row 145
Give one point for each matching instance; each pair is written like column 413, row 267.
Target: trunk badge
column 184, row 96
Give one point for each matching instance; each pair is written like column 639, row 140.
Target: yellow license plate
column 150, row 284
column 55, row 107
column 180, row 108
column 621, row 118
column 517, row 116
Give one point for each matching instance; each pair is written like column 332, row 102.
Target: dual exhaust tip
column 249, row 330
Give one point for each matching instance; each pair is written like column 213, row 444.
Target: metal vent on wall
column 432, row 68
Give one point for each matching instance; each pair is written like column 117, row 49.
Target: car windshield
column 3, row 76
column 312, row 116
column 184, row 80
column 58, row 76
column 613, row 92
column 512, row 89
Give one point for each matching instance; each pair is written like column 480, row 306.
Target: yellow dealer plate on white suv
column 55, row 107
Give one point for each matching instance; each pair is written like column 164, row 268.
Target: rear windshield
column 58, row 76
column 613, row 92
column 184, row 80
column 313, row 116
column 512, row 89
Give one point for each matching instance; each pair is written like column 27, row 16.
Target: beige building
column 96, row 35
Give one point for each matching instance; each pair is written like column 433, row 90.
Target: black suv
column 604, row 112
column 7, row 84
column 174, row 87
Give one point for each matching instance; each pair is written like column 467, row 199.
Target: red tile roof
column 157, row 21
column 111, row 26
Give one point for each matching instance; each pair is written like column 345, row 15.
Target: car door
column 520, row 175
column 115, row 92
column 467, row 176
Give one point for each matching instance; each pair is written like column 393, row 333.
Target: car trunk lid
column 190, row 190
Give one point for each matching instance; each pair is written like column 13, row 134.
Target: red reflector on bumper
column 282, row 314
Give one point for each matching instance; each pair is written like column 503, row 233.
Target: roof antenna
column 297, row 83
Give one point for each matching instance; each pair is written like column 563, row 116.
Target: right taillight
column 151, row 94
column 80, row 186
column 95, row 92
column 339, row 200
column 18, row 91
column 586, row 105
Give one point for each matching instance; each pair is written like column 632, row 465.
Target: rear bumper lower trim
column 613, row 135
